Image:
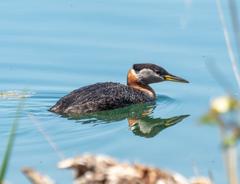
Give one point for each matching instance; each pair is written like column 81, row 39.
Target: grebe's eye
column 158, row 72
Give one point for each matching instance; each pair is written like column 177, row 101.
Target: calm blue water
column 52, row 47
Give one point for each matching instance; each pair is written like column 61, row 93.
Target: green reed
column 10, row 143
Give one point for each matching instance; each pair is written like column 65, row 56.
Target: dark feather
column 159, row 70
column 99, row 97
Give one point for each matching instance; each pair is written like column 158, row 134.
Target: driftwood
column 102, row 169
column 91, row 169
column 36, row 178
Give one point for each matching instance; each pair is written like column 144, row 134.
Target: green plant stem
column 228, row 42
column 230, row 155
column 235, row 22
column 10, row 144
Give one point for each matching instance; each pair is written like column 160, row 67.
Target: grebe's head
column 150, row 73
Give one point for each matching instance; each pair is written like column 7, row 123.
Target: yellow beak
column 170, row 77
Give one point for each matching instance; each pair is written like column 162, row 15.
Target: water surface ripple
column 48, row 49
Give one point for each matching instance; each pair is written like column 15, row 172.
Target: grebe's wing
column 64, row 102
column 99, row 97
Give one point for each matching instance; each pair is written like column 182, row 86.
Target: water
column 50, row 48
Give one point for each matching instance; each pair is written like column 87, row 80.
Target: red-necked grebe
column 108, row 95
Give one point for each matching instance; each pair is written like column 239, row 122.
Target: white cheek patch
column 145, row 73
column 148, row 76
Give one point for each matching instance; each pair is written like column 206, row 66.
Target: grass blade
column 10, row 144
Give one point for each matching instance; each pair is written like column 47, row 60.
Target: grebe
column 109, row 95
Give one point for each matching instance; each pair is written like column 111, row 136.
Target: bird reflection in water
column 140, row 119
column 149, row 127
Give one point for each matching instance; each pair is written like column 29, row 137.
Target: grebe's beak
column 170, row 77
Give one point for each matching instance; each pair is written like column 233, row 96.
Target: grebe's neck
column 132, row 81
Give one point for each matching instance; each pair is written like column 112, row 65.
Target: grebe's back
column 100, row 97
